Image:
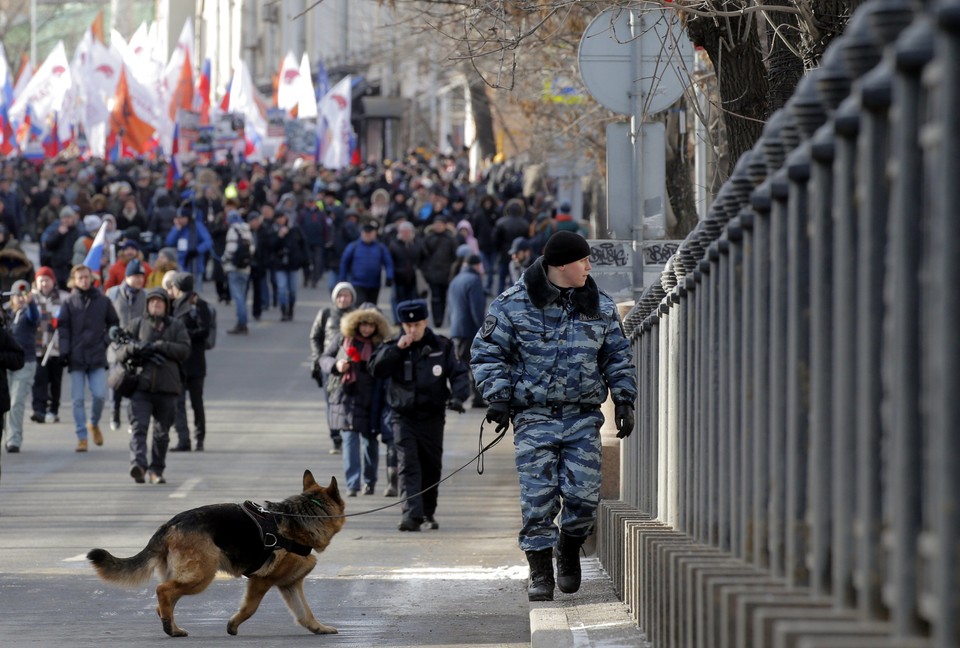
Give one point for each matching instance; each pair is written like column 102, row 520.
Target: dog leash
column 480, row 468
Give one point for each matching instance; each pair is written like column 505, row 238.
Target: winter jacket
column 85, row 318
column 290, row 251
column 361, row 263
column 466, row 303
column 60, row 248
column 173, row 343
column 192, row 241
column 194, row 313
column 236, row 233
column 355, row 398
column 11, row 359
column 405, row 257
column 439, row 253
column 533, row 331
column 423, row 377
column 483, row 220
column 313, row 223
column 23, row 327
column 49, row 306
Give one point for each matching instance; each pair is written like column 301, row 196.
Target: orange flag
column 97, row 27
column 124, row 122
column 182, row 97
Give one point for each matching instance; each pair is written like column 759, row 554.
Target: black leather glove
column 456, row 405
column 388, row 283
column 499, row 412
column 623, row 417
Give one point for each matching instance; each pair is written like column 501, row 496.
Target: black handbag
column 123, row 379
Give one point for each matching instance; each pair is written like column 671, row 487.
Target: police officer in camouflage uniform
column 549, row 350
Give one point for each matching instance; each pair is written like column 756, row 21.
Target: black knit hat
column 565, row 247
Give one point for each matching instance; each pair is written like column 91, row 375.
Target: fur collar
column 586, row 300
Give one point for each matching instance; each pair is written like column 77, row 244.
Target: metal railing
column 794, row 480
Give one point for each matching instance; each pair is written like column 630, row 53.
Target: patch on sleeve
column 489, row 325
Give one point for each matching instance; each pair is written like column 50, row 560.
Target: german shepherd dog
column 271, row 546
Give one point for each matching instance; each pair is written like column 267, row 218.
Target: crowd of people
column 443, row 246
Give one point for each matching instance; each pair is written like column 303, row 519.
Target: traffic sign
column 643, row 49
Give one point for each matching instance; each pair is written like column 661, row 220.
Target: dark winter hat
column 565, row 247
column 134, row 267
column 159, row 293
column 474, row 259
column 186, row 210
column 519, row 244
column 413, row 310
column 183, row 281
column 564, row 208
column 253, row 215
column 369, row 227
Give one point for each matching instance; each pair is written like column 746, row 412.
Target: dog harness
column 270, row 535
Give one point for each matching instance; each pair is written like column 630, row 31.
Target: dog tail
column 126, row 571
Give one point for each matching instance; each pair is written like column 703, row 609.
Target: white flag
column 307, row 102
column 244, row 99
column 46, row 89
column 333, row 126
column 288, row 85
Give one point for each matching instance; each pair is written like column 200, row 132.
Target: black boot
column 540, row 586
column 568, row 562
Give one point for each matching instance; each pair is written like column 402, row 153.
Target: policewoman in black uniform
column 426, row 376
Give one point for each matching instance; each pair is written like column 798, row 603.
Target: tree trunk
column 733, row 46
column 480, row 104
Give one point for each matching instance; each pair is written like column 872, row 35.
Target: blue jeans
column 286, row 286
column 21, row 384
column 238, row 294
column 97, row 379
column 356, row 444
column 489, row 268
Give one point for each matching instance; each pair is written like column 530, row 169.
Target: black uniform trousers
column 163, row 408
column 419, row 444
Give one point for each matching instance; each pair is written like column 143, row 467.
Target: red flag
column 133, row 131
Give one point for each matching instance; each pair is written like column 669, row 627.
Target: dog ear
column 332, row 489
column 308, row 480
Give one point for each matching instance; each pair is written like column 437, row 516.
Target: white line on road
column 187, row 486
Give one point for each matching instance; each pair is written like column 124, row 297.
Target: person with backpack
column 289, row 255
column 237, row 259
column 194, row 312
column 361, row 264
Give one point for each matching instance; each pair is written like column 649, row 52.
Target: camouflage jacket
column 539, row 347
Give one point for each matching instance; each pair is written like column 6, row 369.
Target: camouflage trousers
column 558, row 458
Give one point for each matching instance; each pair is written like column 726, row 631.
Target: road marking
column 187, row 486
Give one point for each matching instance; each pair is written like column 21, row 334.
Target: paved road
column 463, row 585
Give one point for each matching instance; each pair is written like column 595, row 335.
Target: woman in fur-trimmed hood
column 356, row 397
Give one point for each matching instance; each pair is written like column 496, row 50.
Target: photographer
column 23, row 319
column 158, row 344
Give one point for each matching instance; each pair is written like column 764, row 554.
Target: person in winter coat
column 313, row 224
column 129, row 250
column 237, row 265
column 439, row 254
column 289, row 255
column 24, row 318
column 355, row 396
column 58, row 240
column 363, row 262
column 192, row 241
column 47, row 381
column 467, row 304
column 160, row 343
column 11, row 359
column 130, row 302
column 325, row 327
column 426, row 376
column 555, row 323
column 483, row 219
column 85, row 319
column 14, row 264
column 405, row 251
column 165, row 262
column 194, row 312
column 513, row 224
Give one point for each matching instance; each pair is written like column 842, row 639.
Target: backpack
column 242, row 256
